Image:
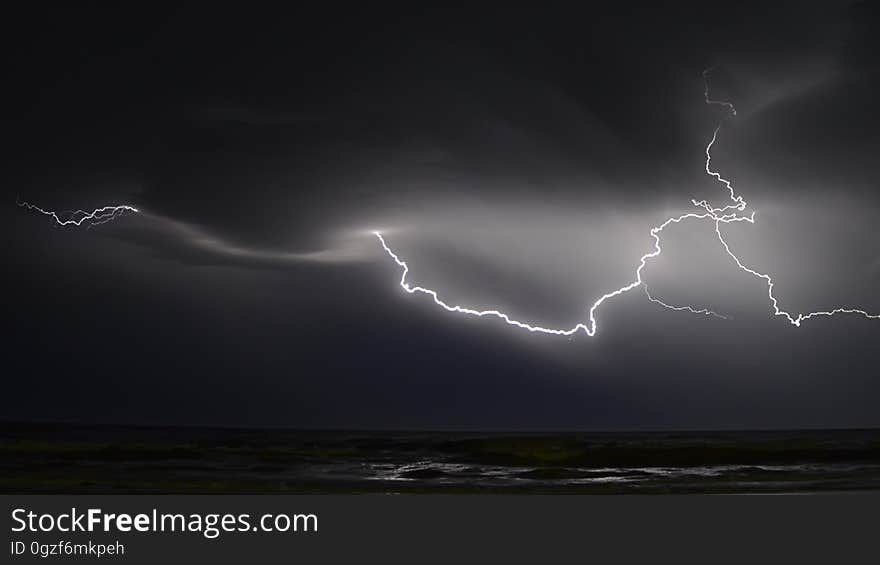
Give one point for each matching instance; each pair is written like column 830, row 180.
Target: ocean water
column 73, row 459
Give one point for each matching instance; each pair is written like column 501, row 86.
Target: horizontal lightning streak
column 726, row 214
column 692, row 310
column 96, row 217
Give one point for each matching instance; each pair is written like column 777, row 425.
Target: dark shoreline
column 71, row 458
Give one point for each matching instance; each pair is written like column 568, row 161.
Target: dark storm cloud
column 516, row 158
column 253, row 116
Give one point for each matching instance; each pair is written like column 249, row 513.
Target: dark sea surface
column 74, row 459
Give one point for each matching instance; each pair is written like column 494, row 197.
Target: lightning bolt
column 777, row 311
column 740, row 204
column 591, row 325
column 726, row 214
column 691, row 309
column 96, row 217
column 732, row 212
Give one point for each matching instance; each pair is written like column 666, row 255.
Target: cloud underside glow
column 203, row 246
column 726, row 214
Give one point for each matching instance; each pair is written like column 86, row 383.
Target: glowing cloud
column 726, row 214
column 733, row 211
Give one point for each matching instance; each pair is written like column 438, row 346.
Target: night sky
column 516, row 158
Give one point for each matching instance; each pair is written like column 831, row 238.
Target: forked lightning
column 96, row 217
column 731, row 212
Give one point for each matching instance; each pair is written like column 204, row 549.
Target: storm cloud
column 516, row 160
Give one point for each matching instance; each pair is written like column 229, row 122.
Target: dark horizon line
column 557, row 431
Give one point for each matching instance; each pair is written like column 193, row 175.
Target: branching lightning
column 591, row 325
column 96, row 217
column 691, row 309
column 733, row 211
column 729, row 213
